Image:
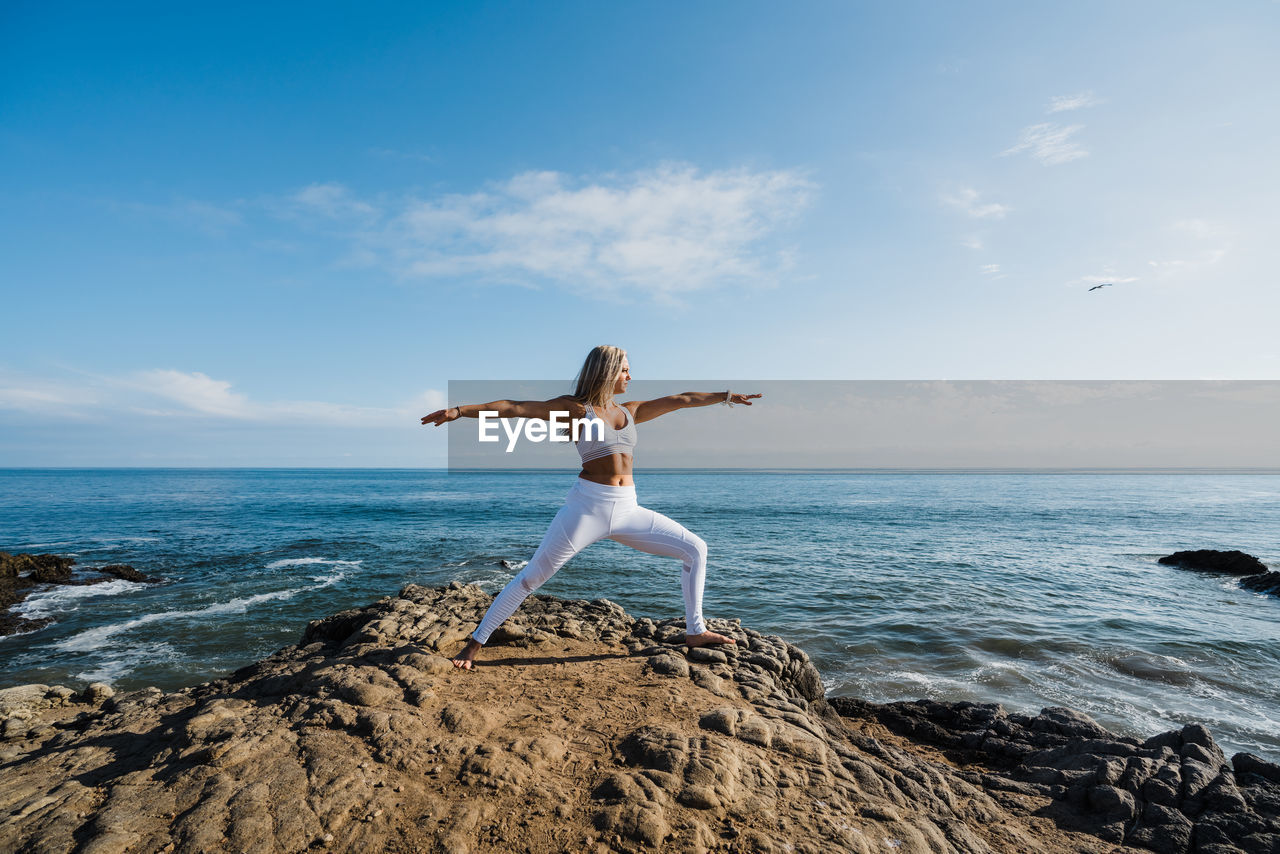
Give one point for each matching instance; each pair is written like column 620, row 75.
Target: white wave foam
column 323, row 581
column 311, row 561
column 91, row 639
column 111, row 667
column 60, row 599
column 513, row 564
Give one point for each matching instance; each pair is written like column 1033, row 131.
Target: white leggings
column 592, row 512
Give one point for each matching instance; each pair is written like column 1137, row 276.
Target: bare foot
column 707, row 639
column 464, row 658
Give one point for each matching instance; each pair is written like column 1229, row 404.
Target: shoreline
column 587, row 729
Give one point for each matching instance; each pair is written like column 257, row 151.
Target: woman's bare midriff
column 613, row 470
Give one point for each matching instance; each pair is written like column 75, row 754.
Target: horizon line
column 712, row 469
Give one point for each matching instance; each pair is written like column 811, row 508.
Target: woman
column 602, row 502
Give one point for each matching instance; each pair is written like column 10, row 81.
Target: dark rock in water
column 12, row 624
column 1234, row 562
column 1175, row 792
column 19, row 574
column 128, row 573
column 14, row 587
column 1267, row 582
column 1256, row 576
column 49, row 569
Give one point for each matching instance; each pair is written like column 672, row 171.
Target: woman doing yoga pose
column 602, row 502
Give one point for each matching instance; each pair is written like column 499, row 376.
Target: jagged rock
column 128, row 573
column 51, row 569
column 20, row 573
column 1232, row 562
column 1162, row 794
column 46, row 569
column 1267, row 582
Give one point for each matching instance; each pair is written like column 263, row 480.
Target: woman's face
column 624, row 377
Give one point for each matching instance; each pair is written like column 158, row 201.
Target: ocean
column 1028, row 589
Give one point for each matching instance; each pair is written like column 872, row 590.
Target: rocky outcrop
column 1267, row 582
column 581, row 729
column 1253, row 572
column 128, row 573
column 38, row 568
column 20, row 574
column 1174, row 792
column 1233, row 562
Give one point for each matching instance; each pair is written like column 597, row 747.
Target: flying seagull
column 1103, row 285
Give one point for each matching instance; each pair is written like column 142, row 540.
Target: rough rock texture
column 1255, row 575
column 128, row 573
column 1174, row 792
column 1212, row 560
column 581, row 729
column 19, row 575
column 1267, row 582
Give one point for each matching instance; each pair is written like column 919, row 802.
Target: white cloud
column 167, row 393
column 1213, row 240
column 1049, row 143
column 989, row 269
column 213, row 220
column 196, row 392
column 972, row 242
column 1080, row 100
column 969, row 201
column 1103, row 278
column 659, row 233
column 43, row 396
column 330, row 200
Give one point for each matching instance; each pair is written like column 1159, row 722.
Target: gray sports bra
column 611, row 441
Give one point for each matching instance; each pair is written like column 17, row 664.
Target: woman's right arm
column 536, row 409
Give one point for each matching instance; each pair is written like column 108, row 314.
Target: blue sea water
column 1027, row 589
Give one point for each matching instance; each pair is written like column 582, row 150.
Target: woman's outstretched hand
column 442, row 416
column 744, row 399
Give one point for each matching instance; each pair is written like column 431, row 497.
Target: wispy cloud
column 1201, row 243
column 168, row 394
column 657, row 233
column 333, row 201
column 46, row 396
column 211, row 219
column 1105, row 277
column 989, row 269
column 972, row 242
column 1080, row 100
column 969, row 201
column 194, row 392
column 1049, row 143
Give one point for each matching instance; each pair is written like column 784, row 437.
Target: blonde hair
column 599, row 373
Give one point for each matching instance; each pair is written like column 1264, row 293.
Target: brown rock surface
column 585, row 731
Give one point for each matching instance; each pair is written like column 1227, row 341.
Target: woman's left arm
column 647, row 410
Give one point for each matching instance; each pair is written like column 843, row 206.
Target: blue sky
column 242, row 235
